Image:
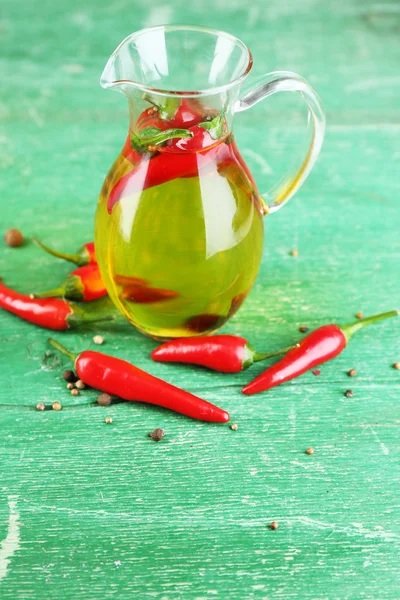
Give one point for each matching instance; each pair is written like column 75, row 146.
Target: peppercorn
column 70, row 386
column 104, row 400
column 74, row 392
column 70, row 376
column 303, row 329
column 316, row 372
column 294, row 252
column 352, row 373
column 98, row 340
column 360, row 314
column 13, row 238
column 310, row 451
column 56, row 406
column 157, row 435
column 273, row 525
column 80, row 384
column 234, row 426
column 396, row 366
column 108, row 420
column 40, row 406
column 349, row 393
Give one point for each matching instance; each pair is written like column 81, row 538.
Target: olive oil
column 179, row 256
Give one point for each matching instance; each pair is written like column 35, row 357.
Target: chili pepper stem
column 91, row 313
column 352, row 328
column 54, row 293
column 63, row 349
column 257, row 356
column 166, row 110
column 70, row 257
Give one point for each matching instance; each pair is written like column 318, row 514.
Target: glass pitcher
column 179, row 223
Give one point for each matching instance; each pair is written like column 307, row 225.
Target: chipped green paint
column 102, row 510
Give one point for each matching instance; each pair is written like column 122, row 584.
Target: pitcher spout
column 138, row 63
column 178, row 60
column 117, row 72
column 187, row 74
column 109, row 78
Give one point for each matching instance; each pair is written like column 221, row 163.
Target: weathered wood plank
column 93, row 510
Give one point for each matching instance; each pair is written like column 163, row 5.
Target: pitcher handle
column 285, row 81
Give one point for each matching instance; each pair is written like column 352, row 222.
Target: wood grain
column 89, row 510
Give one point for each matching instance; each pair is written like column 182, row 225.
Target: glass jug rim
column 106, row 83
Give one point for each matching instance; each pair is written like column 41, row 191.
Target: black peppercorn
column 70, row 376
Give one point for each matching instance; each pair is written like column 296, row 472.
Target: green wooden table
column 89, row 510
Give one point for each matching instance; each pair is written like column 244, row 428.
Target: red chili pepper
column 120, row 378
column 151, row 172
column 200, row 141
column 83, row 284
column 189, row 113
column 205, row 322
column 139, row 291
column 50, row 313
column 237, row 302
column 164, row 167
column 151, row 118
column 317, row 347
column 223, row 353
column 125, row 280
column 204, row 136
column 130, row 153
column 175, row 112
column 143, row 294
column 85, row 255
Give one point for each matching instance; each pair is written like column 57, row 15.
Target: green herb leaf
column 167, row 107
column 148, row 132
column 152, row 136
column 216, row 127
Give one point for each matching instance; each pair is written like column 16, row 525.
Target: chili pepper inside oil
column 179, row 231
